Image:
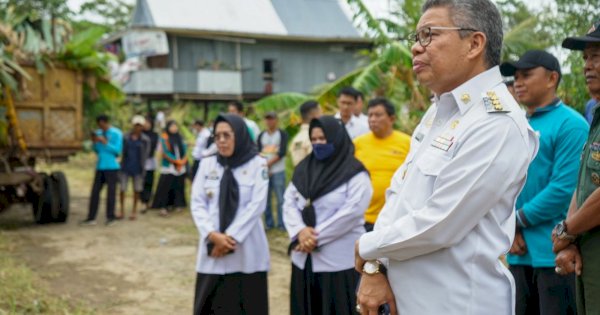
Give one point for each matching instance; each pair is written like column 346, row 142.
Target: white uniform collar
column 350, row 122
column 469, row 93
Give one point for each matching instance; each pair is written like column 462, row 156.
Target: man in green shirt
column 577, row 239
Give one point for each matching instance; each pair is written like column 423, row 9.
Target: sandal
column 163, row 213
column 132, row 217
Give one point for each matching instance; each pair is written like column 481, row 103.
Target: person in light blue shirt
column 108, row 144
column 551, row 180
column 590, row 107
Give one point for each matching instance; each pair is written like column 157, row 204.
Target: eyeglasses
column 225, row 136
column 423, row 36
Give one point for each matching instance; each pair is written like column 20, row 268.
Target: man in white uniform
column 346, row 101
column 449, row 212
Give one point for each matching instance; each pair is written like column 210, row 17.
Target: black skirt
column 231, row 294
column 170, row 192
column 323, row 293
column 146, row 194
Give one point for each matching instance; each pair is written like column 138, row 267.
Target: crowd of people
column 381, row 222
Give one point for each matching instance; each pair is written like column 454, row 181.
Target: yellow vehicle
column 42, row 121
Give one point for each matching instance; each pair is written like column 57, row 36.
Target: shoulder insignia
column 492, row 103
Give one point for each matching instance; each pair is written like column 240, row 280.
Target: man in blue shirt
column 108, row 143
column 551, row 180
column 136, row 149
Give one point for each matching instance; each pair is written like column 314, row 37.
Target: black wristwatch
column 562, row 233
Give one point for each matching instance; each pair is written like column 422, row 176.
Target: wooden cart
column 42, row 121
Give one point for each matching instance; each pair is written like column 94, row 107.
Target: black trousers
column 542, row 291
column 110, row 178
column 170, row 192
column 146, row 194
column 323, row 293
column 231, row 294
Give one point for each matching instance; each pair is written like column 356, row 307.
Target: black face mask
column 323, row 151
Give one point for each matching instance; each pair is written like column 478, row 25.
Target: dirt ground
column 145, row 266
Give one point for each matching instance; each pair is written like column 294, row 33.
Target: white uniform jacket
column 340, row 222
column 355, row 127
column 252, row 252
column 449, row 212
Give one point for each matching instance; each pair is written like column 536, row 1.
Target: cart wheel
column 42, row 204
column 60, row 196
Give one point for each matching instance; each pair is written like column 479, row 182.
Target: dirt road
column 145, row 266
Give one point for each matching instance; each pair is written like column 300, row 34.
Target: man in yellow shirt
column 382, row 151
column 301, row 146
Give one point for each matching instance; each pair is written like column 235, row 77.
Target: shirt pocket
column 246, row 186
column 428, row 167
column 593, row 163
column 431, row 162
column 593, row 159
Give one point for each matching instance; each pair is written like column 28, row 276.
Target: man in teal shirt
column 108, row 143
column 551, row 180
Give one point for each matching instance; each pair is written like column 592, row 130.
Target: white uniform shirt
column 150, row 164
column 200, row 144
column 340, row 222
column 355, row 127
column 254, row 127
column 364, row 119
column 252, row 252
column 449, row 212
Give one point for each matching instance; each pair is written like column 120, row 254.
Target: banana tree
column 389, row 71
column 25, row 38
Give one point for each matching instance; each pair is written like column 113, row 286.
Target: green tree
column 523, row 29
column 388, row 71
column 39, row 9
column 573, row 18
column 114, row 14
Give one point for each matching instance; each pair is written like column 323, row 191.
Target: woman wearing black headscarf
column 170, row 191
column 323, row 213
column 150, row 165
column 229, row 195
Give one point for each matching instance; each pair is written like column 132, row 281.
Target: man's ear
column 553, row 79
column 477, row 43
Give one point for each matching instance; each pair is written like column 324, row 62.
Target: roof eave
column 292, row 38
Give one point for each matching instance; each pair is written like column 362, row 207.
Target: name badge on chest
column 212, row 176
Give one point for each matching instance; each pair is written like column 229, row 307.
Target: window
column 268, row 69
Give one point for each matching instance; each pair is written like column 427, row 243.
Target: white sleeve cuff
column 367, row 246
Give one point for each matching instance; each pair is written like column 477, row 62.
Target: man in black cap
column 577, row 239
column 272, row 144
column 551, row 180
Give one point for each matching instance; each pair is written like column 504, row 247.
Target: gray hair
column 481, row 15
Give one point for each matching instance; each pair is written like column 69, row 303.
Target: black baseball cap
column 531, row 59
column 578, row 43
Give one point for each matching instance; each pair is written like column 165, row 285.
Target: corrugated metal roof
column 315, row 18
column 318, row 19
